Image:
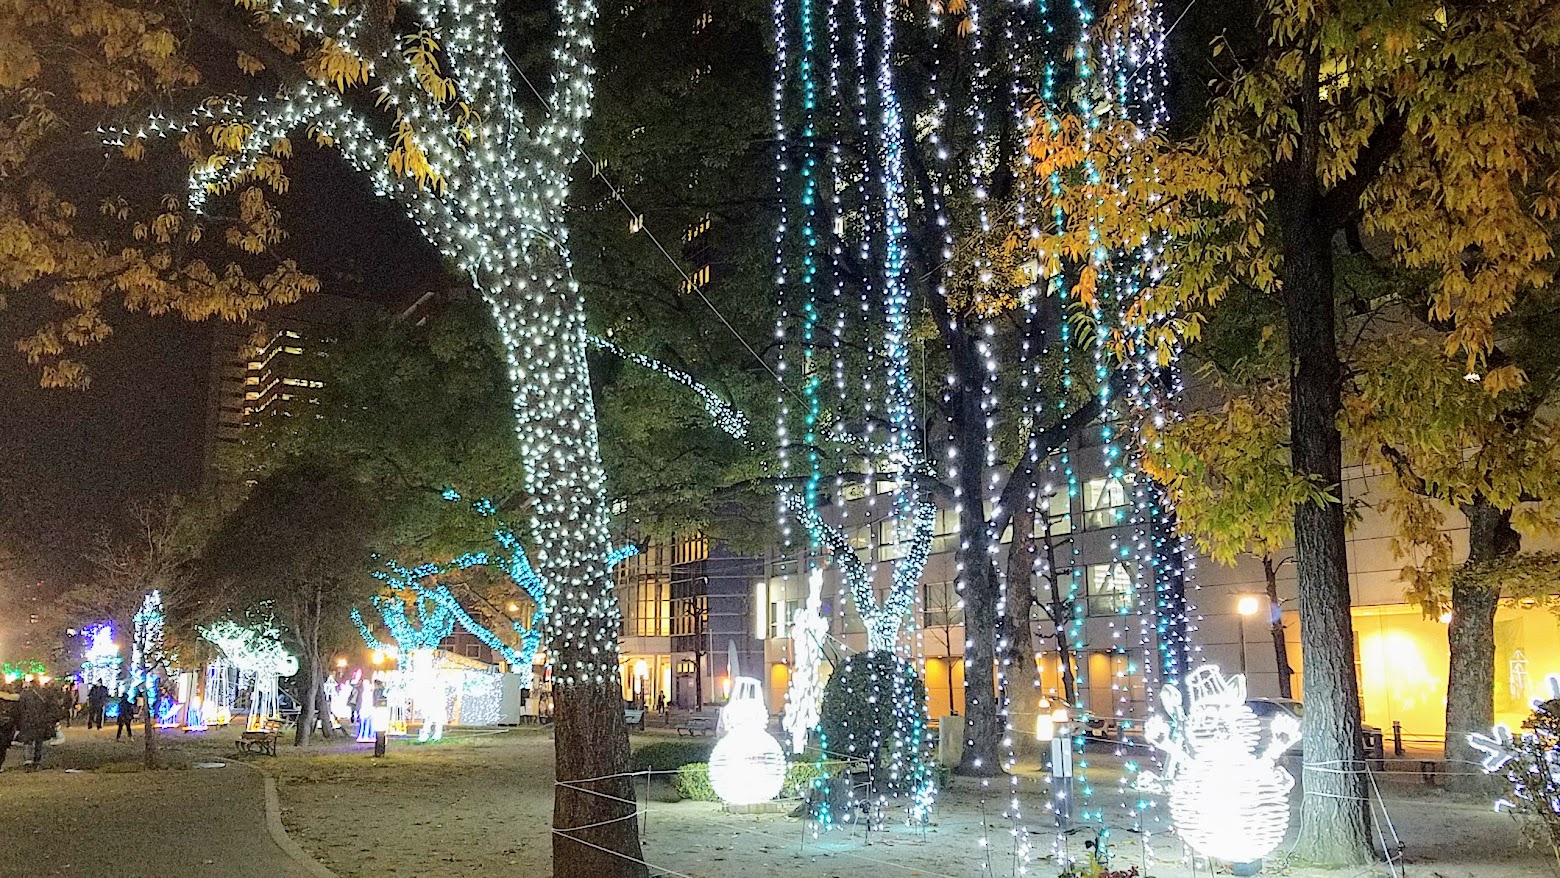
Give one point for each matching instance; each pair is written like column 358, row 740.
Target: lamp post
column 1245, row 605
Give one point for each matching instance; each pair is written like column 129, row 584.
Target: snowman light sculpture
column 747, row 766
column 1229, row 797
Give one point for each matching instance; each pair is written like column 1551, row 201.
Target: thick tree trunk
column 592, row 742
column 983, row 724
column 1020, row 672
column 1286, row 673
column 1334, row 826
column 542, row 321
column 1470, row 680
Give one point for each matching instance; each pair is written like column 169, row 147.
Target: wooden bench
column 634, row 717
column 697, row 725
column 261, row 741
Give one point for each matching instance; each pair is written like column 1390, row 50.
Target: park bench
column 697, row 725
column 634, row 717
column 261, row 740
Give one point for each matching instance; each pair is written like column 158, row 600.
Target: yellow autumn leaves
column 62, row 63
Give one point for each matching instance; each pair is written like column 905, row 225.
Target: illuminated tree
column 445, row 131
column 299, row 544
column 1415, row 128
column 77, row 251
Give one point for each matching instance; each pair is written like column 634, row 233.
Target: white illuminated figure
column 255, row 650
column 102, row 657
column 747, row 766
column 428, row 694
column 1229, row 801
column 805, row 696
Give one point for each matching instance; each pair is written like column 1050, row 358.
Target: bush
column 874, row 708
column 799, row 777
column 693, row 781
column 671, row 755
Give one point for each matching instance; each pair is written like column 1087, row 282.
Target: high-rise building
column 263, row 370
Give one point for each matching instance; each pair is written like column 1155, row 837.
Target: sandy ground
column 480, row 804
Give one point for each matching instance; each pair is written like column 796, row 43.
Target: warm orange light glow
column 1248, row 605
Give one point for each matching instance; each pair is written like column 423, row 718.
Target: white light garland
column 809, row 630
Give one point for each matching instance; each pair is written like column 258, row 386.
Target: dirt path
column 170, row 824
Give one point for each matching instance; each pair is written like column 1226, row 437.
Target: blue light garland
column 438, row 610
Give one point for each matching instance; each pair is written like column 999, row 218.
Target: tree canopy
column 78, row 242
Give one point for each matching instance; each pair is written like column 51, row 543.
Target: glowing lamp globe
column 747, row 766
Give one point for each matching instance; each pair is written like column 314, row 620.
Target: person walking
column 97, row 704
column 8, row 711
column 126, row 714
column 355, row 701
column 37, row 714
column 67, row 698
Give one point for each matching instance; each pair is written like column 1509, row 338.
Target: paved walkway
column 168, row 824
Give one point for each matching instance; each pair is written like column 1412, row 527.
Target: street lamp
column 1245, row 605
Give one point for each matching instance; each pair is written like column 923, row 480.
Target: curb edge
column 273, row 824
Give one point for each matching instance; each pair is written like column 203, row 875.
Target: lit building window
column 1110, row 589
column 941, row 606
column 697, row 229
column 889, row 547
column 945, row 531
column 1104, row 502
column 1053, row 510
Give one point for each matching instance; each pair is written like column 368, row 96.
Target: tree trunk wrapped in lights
column 442, row 131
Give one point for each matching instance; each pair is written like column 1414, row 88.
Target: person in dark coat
column 37, row 714
column 126, row 714
column 97, row 704
column 8, row 710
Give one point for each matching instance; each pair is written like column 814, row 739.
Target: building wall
column 688, row 604
column 1401, row 655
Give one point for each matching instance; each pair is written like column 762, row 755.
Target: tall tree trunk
column 149, row 724
column 1021, row 674
column 1470, row 679
column 979, row 585
column 309, row 663
column 1061, row 613
column 1169, row 560
column 1286, row 673
column 542, row 320
column 1335, row 822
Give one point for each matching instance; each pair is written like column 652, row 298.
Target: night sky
column 71, row 461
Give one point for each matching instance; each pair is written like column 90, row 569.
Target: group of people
column 98, row 698
column 30, row 714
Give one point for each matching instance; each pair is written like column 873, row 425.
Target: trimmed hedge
column 693, row 781
column 671, row 755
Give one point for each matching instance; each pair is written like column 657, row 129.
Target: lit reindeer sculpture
column 1229, row 797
